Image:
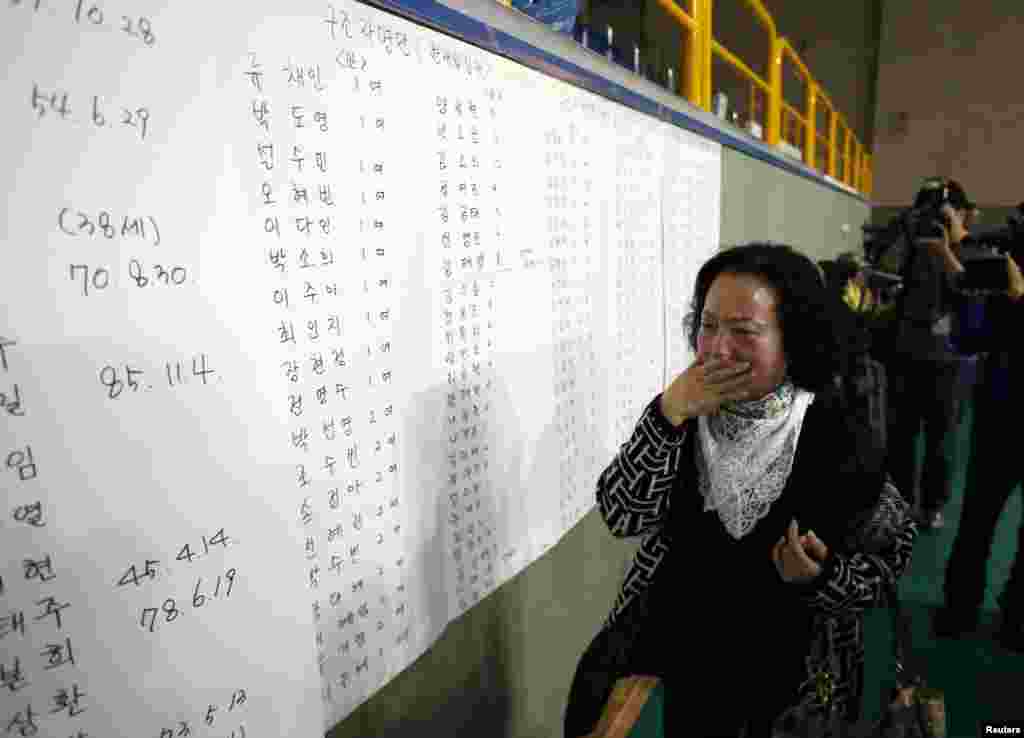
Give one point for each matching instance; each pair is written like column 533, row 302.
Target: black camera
column 885, row 247
column 908, row 226
column 1007, row 239
column 984, row 271
column 929, row 222
column 983, row 254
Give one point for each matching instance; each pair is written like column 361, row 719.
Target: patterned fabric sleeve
column 855, row 581
column 633, row 492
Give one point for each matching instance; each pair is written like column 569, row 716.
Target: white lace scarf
column 745, row 455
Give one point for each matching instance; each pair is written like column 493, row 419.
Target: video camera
column 885, row 245
column 983, row 254
column 1007, row 239
column 928, row 221
column 909, row 225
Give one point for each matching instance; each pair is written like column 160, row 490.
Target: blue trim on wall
column 454, row 23
column 442, row 18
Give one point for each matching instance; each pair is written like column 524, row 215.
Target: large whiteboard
column 318, row 326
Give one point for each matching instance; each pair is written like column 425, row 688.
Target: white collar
column 745, row 455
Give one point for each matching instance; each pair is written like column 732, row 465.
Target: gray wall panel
column 760, row 203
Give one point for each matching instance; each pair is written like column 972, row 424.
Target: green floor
column 982, row 681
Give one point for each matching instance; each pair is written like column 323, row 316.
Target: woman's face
column 740, row 323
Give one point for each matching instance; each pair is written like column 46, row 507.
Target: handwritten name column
column 638, row 275
column 28, row 673
column 323, row 122
column 572, row 198
column 372, row 616
column 468, row 237
column 290, row 123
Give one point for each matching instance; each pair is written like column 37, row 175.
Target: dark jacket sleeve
column 927, row 285
column 855, row 575
column 633, row 491
column 1005, row 320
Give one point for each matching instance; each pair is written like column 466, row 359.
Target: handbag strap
column 902, row 648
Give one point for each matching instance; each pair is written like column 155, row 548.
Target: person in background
column 745, row 477
column 846, row 276
column 856, row 293
column 993, row 472
column 923, row 370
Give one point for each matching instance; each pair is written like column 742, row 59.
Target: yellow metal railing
column 808, row 120
column 771, row 87
column 834, row 150
column 827, row 162
column 690, row 64
column 842, row 150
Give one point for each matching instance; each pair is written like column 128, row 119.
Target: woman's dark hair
column 808, row 312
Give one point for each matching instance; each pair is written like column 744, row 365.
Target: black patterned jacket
column 635, row 496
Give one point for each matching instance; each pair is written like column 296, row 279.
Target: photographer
column 922, row 367
column 992, row 474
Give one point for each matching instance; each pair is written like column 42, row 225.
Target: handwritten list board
column 691, row 222
column 150, row 558
column 318, row 327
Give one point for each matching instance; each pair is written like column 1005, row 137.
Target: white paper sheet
column 636, row 276
column 149, row 559
column 375, row 303
column 692, row 197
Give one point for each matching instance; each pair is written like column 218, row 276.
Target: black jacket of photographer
column 921, row 325
column 1001, row 342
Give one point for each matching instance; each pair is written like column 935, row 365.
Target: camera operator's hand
column 956, row 226
column 1015, row 278
column 945, row 243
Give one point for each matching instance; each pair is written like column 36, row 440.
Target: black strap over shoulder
column 906, row 666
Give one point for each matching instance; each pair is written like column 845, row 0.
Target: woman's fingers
column 733, row 370
column 737, row 379
column 716, row 371
column 736, row 387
